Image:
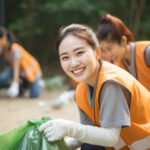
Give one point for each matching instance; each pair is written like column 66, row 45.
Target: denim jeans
column 35, row 88
column 6, row 78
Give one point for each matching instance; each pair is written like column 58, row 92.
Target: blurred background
column 36, row 22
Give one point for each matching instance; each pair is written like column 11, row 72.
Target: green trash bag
column 28, row 137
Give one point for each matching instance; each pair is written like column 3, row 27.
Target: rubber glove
column 13, row 90
column 59, row 128
column 72, row 143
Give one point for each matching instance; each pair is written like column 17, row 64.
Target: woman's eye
column 65, row 58
column 80, row 52
column 109, row 49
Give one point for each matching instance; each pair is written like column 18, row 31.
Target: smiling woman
column 107, row 98
column 118, row 46
column 74, row 59
column 83, row 50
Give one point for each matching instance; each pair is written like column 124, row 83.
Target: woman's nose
column 74, row 62
column 108, row 55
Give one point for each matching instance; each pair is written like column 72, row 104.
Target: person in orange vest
column 118, row 46
column 25, row 71
column 66, row 96
column 114, row 107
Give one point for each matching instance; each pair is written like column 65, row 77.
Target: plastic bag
column 28, row 137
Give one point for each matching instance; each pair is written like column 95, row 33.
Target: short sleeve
column 16, row 53
column 114, row 110
column 147, row 55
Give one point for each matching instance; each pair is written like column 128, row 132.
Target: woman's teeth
column 78, row 71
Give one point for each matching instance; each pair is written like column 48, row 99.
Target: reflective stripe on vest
column 142, row 144
column 120, row 144
column 30, row 68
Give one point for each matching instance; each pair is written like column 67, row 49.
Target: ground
column 15, row 112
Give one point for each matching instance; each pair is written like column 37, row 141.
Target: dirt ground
column 15, row 112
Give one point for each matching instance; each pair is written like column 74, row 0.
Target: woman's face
column 78, row 60
column 112, row 51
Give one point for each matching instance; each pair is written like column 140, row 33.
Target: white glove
column 55, row 129
column 72, row 143
column 13, row 90
column 59, row 128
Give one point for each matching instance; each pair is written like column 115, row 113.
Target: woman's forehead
column 72, row 42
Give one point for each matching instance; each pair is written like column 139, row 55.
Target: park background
column 36, row 24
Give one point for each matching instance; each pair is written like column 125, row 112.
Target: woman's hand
column 56, row 129
column 13, row 90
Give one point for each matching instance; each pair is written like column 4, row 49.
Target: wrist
column 74, row 129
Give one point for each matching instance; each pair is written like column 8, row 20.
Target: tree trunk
column 136, row 12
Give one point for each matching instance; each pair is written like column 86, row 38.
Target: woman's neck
column 127, row 54
column 93, row 78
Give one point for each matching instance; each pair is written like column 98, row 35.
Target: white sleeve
column 95, row 135
column 59, row 128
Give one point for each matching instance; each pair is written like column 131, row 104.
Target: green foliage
column 36, row 22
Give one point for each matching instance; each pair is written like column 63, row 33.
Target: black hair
column 80, row 31
column 9, row 34
column 112, row 28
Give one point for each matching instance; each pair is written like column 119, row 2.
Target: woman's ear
column 98, row 53
column 123, row 40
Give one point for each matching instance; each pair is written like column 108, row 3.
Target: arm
column 57, row 129
column 16, row 70
column 111, row 120
column 13, row 90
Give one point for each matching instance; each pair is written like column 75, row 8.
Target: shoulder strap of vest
column 82, row 101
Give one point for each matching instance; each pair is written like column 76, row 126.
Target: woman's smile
column 78, row 72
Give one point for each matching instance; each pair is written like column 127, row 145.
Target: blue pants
column 86, row 146
column 35, row 87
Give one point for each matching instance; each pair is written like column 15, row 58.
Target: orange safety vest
column 139, row 132
column 30, row 68
column 143, row 71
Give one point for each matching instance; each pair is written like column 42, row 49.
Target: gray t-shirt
column 16, row 54
column 114, row 109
